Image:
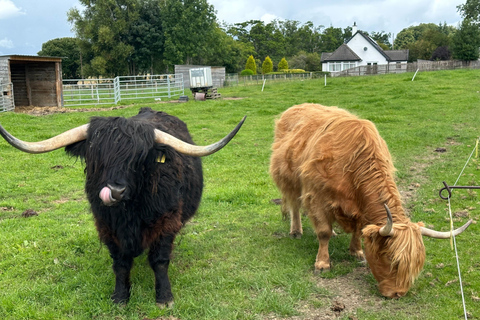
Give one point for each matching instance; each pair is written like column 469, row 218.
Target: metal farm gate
column 77, row 92
column 7, row 102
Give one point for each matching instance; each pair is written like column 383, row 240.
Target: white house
column 361, row 50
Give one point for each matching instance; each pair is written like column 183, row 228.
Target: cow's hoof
column 321, row 267
column 163, row 305
column 358, row 254
column 120, row 298
column 296, row 235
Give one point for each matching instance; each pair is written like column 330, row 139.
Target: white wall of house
column 366, row 51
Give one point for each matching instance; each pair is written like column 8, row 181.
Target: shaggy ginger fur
column 338, row 168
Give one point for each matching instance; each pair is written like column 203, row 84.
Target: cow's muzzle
column 111, row 194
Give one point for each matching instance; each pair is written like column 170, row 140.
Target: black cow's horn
column 445, row 234
column 194, row 150
column 387, row 229
column 62, row 140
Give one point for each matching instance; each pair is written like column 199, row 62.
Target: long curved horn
column 446, row 234
column 194, row 150
column 387, row 229
column 59, row 141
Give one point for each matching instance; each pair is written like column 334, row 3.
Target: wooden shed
column 218, row 74
column 35, row 81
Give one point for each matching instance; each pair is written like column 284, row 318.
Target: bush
column 441, row 53
column 295, row 71
column 251, row 65
column 283, row 64
column 247, row 72
column 267, row 65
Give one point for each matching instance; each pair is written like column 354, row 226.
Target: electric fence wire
column 453, row 236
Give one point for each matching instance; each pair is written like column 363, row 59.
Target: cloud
column 6, row 43
column 267, row 18
column 8, row 9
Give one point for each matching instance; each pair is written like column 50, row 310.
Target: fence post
column 168, row 86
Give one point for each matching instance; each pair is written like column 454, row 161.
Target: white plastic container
column 201, row 77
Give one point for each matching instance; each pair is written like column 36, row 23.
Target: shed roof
column 15, row 57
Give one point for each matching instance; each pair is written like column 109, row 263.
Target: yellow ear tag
column 161, row 160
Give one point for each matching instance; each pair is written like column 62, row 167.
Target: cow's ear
column 77, row 149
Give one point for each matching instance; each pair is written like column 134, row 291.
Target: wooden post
column 58, row 84
column 28, row 88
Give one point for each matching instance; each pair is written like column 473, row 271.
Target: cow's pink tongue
column 106, row 196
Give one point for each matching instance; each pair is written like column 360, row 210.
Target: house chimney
column 354, row 28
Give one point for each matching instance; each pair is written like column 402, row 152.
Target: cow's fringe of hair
column 405, row 249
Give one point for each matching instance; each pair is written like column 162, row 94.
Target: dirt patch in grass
column 346, row 294
column 42, row 111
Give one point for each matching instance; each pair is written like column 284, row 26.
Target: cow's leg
column 159, row 259
column 323, row 229
column 293, row 207
column 356, row 244
column 121, row 267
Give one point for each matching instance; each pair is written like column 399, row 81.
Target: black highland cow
column 143, row 181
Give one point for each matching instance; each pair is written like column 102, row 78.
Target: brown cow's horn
column 62, row 140
column 387, row 230
column 444, row 235
column 194, row 150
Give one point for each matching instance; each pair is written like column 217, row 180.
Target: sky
column 26, row 24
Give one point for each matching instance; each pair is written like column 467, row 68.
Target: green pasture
column 235, row 260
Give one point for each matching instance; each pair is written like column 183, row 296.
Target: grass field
column 235, row 260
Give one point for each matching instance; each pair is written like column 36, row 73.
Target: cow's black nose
column 117, row 192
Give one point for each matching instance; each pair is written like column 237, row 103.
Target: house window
column 399, row 65
column 340, row 66
column 335, row 66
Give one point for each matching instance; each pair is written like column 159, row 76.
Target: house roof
column 343, row 53
column 397, row 55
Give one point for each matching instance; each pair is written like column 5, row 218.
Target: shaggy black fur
column 159, row 197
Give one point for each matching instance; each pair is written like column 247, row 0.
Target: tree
column 283, row 64
column 331, row 39
column 422, row 40
column 470, row 10
column 466, row 41
column 267, row 65
column 298, row 37
column 382, row 39
column 119, row 37
column 104, row 26
column 68, row 49
column 299, row 61
column 147, row 39
column 313, row 62
column 227, row 52
column 188, row 28
column 251, row 65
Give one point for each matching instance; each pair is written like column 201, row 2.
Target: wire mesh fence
column 236, row 80
column 77, row 92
